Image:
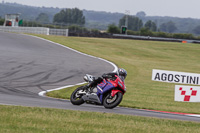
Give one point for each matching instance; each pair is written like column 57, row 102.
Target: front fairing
column 107, row 85
column 104, row 87
column 119, row 83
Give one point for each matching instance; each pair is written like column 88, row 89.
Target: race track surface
column 29, row 65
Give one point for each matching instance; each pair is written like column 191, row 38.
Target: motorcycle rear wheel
column 75, row 98
column 110, row 102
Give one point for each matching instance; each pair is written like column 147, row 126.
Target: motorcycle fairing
column 109, row 85
column 104, row 87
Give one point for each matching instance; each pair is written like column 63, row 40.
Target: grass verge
column 63, row 93
column 139, row 58
column 15, row 119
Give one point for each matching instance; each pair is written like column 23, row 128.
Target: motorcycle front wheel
column 110, row 102
column 76, row 96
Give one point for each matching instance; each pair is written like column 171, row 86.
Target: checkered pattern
column 187, row 93
column 187, row 97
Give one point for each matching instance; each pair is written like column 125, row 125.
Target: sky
column 174, row 8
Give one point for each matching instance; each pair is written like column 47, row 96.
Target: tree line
column 70, row 16
column 101, row 19
column 139, row 24
column 136, row 24
column 65, row 17
column 76, row 17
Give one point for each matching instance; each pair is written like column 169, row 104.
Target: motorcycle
column 108, row 93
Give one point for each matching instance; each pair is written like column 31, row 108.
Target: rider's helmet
column 122, row 73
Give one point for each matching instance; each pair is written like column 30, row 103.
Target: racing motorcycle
column 109, row 92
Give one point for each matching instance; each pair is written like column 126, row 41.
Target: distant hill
column 101, row 20
column 184, row 25
column 27, row 12
column 96, row 19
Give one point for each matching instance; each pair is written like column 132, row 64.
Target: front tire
column 76, row 98
column 110, row 102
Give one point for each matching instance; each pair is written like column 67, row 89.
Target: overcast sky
column 175, row 8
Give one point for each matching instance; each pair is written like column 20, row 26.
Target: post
column 127, row 12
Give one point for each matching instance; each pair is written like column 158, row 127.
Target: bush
column 145, row 32
column 112, row 28
column 183, row 36
column 77, row 28
column 130, row 32
column 162, row 34
column 95, row 31
column 31, row 24
column 1, row 21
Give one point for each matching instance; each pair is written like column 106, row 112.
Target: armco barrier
column 60, row 32
column 35, row 30
column 154, row 38
column 147, row 38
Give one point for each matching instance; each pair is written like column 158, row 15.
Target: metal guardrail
column 61, row 32
column 147, row 37
column 35, row 30
column 155, row 38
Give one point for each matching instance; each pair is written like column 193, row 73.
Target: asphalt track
column 29, row 65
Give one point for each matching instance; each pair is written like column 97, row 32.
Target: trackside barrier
column 35, row 30
column 60, row 32
column 148, row 38
column 156, row 38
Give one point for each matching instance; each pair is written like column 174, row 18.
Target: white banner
column 187, row 93
column 175, row 77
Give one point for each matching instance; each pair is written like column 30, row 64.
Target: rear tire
column 110, row 102
column 75, row 98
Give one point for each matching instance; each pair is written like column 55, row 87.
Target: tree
column 168, row 27
column 1, row 21
column 171, row 27
column 163, row 27
column 134, row 23
column 196, row 30
column 112, row 28
column 150, row 25
column 145, row 32
column 141, row 14
column 70, row 16
column 42, row 18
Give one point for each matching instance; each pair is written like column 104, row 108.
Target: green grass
column 139, row 58
column 63, row 93
column 15, row 119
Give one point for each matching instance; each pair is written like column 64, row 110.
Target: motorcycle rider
column 122, row 73
column 109, row 93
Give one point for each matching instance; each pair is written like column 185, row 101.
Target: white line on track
column 194, row 115
column 44, row 92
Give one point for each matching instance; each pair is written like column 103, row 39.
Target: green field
column 139, row 58
column 39, row 120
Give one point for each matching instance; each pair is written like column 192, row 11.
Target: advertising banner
column 187, row 93
column 175, row 77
